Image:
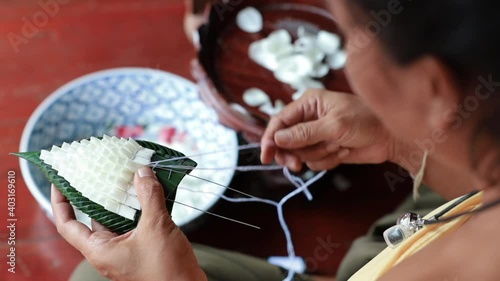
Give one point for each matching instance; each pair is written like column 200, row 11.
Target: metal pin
column 239, row 148
column 212, row 182
column 215, row 215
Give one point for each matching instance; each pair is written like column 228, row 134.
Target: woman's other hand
column 324, row 129
column 155, row 250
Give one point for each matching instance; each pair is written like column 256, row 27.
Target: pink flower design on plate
column 170, row 134
column 129, row 131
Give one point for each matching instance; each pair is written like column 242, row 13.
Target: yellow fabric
column 389, row 257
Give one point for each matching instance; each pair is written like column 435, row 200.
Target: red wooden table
column 78, row 38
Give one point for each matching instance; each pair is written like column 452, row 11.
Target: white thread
column 214, row 214
column 233, row 200
column 298, row 182
column 239, row 148
column 291, row 250
column 212, row 182
column 237, row 168
column 419, row 177
column 279, row 207
column 300, row 185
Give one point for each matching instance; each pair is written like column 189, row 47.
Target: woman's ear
column 439, row 91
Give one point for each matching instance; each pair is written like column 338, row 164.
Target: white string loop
column 300, row 185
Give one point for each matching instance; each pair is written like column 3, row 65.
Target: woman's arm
column 325, row 129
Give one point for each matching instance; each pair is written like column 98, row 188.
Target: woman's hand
column 156, row 250
column 324, row 129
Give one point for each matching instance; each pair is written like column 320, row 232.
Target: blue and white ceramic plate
column 145, row 104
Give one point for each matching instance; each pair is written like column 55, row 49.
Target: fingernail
column 296, row 166
column 343, row 153
column 266, row 143
column 282, row 136
column 292, row 163
column 145, row 172
column 332, row 147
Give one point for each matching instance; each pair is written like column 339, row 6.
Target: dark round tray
column 224, row 70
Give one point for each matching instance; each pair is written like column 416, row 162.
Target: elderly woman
column 425, row 77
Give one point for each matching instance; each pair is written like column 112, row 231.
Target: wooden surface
column 85, row 36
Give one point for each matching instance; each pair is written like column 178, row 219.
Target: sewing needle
column 215, row 215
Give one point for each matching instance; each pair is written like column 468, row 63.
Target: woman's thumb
column 150, row 193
